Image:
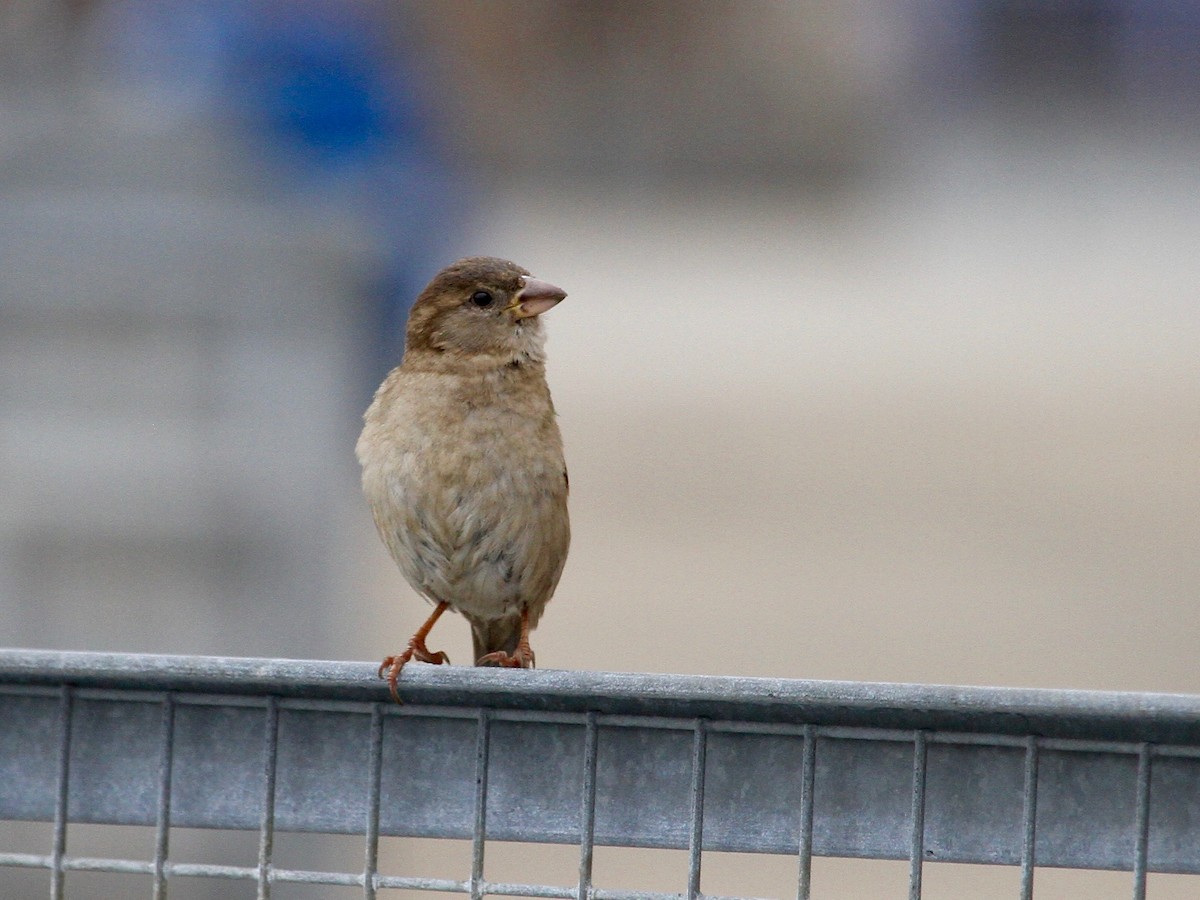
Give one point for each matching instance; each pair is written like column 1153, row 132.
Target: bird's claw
column 391, row 666
column 421, row 654
column 522, row 659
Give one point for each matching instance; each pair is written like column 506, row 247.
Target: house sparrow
column 462, row 460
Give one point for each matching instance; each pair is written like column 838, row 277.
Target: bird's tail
column 491, row 635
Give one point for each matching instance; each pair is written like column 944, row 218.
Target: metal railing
column 926, row 774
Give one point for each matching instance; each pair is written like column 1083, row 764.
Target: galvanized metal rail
column 923, row 773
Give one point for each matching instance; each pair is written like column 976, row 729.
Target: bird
column 462, row 461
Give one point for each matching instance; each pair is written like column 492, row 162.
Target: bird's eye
column 482, row 299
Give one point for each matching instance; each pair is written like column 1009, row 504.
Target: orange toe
column 521, row 659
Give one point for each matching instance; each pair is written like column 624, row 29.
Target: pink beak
column 535, row 298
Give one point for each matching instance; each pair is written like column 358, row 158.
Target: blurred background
column 881, row 359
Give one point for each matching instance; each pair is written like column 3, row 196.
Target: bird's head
column 481, row 307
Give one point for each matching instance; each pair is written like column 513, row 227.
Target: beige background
column 897, row 445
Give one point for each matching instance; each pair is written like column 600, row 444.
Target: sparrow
column 462, row 461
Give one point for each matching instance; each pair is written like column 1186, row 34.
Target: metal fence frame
column 886, row 771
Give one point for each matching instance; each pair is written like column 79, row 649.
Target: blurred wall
column 648, row 93
column 207, row 262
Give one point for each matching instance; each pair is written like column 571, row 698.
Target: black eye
column 481, row 299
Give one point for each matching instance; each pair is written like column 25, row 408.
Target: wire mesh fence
column 924, row 774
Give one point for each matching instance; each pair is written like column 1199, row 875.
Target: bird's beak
column 535, row 298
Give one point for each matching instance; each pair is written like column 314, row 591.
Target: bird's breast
column 468, row 492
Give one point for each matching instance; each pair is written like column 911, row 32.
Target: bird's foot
column 391, row 666
column 416, row 650
column 522, row 659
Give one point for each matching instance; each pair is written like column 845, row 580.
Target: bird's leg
column 523, row 657
column 416, row 650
